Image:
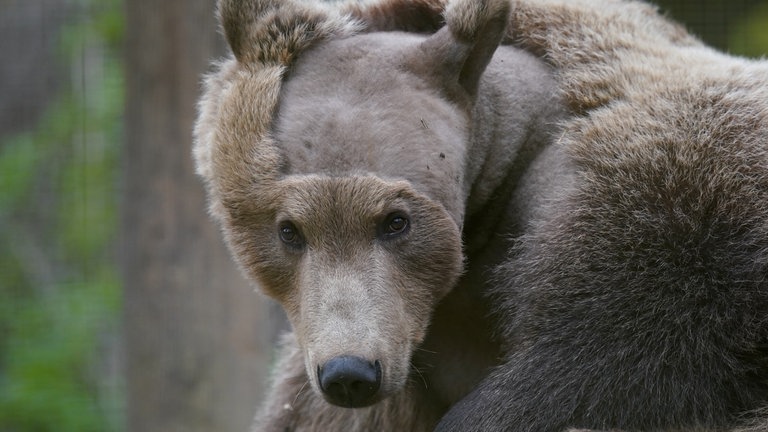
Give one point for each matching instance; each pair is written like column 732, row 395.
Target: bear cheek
column 266, row 264
column 421, row 291
column 437, row 263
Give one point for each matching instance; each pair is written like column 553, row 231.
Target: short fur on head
column 265, row 38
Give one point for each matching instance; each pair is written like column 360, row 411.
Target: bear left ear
column 276, row 31
column 458, row 54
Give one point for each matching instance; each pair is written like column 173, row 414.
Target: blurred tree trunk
column 198, row 339
column 31, row 80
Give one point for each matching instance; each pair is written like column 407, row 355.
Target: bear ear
column 276, row 31
column 458, row 54
column 237, row 19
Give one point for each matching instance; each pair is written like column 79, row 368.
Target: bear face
column 338, row 178
column 358, row 234
column 358, row 263
column 359, row 239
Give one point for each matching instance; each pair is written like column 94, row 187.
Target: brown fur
column 639, row 302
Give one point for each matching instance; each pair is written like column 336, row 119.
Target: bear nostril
column 350, row 381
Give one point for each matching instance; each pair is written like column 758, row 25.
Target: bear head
column 333, row 154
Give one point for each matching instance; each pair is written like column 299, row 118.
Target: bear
column 527, row 215
column 334, row 148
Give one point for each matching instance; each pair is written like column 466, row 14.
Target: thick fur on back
column 640, row 302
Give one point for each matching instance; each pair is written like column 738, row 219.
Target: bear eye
column 394, row 225
column 290, row 235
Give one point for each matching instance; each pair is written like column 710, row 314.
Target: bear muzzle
column 350, row 381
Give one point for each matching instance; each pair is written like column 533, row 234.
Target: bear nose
column 350, row 381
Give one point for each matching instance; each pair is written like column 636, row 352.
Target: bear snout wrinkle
column 350, row 381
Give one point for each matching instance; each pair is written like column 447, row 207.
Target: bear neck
column 515, row 117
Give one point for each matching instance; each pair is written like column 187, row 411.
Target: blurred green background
column 61, row 131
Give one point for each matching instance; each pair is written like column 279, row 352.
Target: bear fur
column 639, row 302
column 530, row 215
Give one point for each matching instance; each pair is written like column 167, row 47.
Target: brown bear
column 337, row 160
column 530, row 216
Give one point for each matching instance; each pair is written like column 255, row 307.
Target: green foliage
column 48, row 383
column 59, row 290
column 750, row 38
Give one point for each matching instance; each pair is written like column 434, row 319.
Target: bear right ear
column 458, row 54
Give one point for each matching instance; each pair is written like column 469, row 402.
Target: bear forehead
column 368, row 59
column 351, row 104
column 310, row 197
column 355, row 106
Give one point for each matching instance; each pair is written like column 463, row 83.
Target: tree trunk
column 198, row 339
